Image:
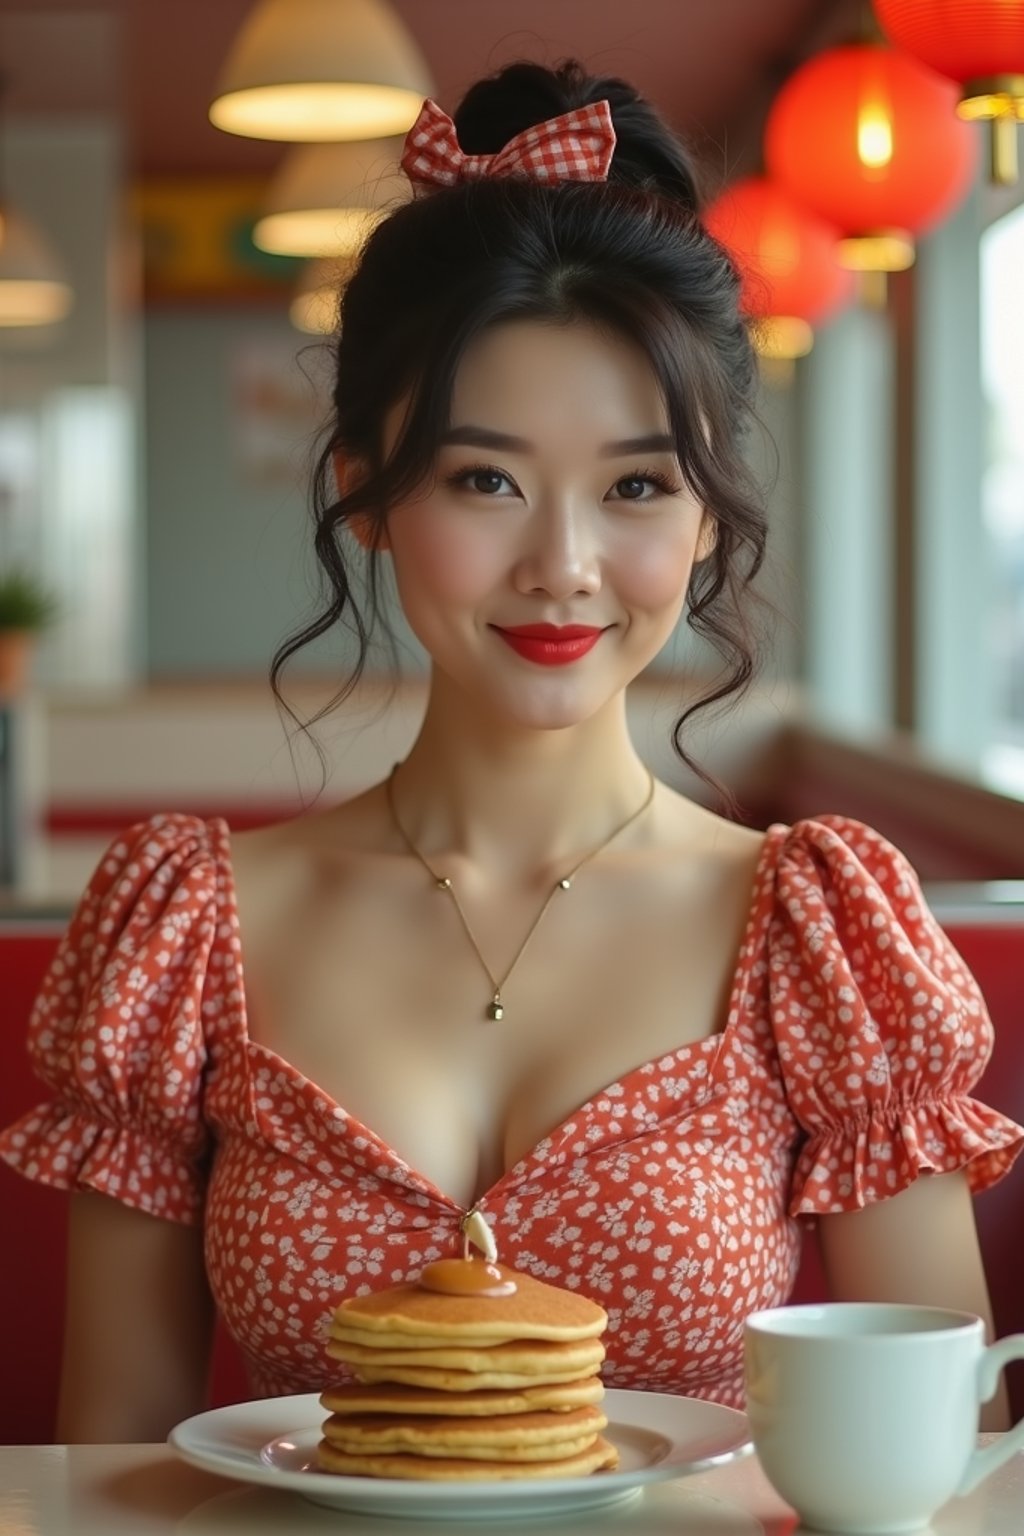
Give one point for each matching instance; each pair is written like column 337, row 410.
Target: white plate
column 272, row 1441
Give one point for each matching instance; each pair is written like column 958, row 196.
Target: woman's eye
column 487, row 481
column 481, row 480
column 644, row 487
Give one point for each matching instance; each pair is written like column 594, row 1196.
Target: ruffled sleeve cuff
column 886, row 1148
column 60, row 1146
column 117, row 1031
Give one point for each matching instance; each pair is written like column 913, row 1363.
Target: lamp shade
column 787, row 258
column 968, row 40
column 317, row 70
column 326, row 198
column 868, row 138
column 33, row 287
column 978, row 43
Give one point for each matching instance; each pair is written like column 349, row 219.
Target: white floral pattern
column 853, row 1037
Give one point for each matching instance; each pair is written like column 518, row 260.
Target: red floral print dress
column 854, row 1035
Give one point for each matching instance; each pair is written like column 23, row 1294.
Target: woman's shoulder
column 152, row 841
column 850, row 927
column 351, row 826
column 157, row 899
column 847, row 864
column 166, row 861
column 832, row 832
column 832, row 886
column 278, row 868
column 697, row 831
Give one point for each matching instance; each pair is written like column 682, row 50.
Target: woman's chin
column 547, row 707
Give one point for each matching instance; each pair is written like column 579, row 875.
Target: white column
column 954, row 703
column 846, row 395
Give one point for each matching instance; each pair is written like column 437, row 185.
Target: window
column 1002, row 372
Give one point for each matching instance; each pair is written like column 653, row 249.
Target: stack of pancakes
column 468, row 1387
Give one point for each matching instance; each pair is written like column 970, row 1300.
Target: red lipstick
column 550, row 645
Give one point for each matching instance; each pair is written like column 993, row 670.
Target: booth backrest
column 33, row 1218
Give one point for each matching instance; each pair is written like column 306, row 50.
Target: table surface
column 143, row 1490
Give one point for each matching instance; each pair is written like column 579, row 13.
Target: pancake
column 535, row 1311
column 599, row 1456
column 386, row 1339
column 391, row 1398
column 507, row 1437
column 460, row 1381
column 529, row 1358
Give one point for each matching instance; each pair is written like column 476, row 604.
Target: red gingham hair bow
column 577, row 146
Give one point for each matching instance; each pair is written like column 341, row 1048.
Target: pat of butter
column 477, row 1231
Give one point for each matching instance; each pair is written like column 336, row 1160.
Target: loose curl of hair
column 630, row 254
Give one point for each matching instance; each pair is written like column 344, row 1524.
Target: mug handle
column 984, row 1462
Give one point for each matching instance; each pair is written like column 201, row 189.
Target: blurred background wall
column 156, row 442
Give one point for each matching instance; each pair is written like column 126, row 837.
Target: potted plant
column 26, row 607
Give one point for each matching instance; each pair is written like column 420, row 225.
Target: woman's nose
column 561, row 555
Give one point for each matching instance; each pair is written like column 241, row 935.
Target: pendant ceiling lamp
column 792, row 279
column 33, row 287
column 309, row 70
column 980, row 45
column 868, row 138
column 326, row 198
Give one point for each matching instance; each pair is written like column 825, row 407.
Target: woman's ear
column 707, row 538
column 347, row 474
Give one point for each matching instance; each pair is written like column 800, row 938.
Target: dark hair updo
column 630, row 253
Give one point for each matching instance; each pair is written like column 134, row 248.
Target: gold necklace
column 496, row 1008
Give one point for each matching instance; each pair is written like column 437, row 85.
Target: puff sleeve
column 116, row 1031
column 880, row 1028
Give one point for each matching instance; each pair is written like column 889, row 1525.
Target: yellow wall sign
column 197, row 241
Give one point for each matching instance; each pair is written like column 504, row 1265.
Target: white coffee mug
column 865, row 1415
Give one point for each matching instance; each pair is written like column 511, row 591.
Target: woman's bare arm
column 138, row 1324
column 921, row 1247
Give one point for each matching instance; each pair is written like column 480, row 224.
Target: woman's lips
column 550, row 645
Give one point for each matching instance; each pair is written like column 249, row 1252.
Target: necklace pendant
column 494, row 1008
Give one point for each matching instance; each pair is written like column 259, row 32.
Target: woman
column 520, row 976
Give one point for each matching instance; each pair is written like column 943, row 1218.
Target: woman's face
column 548, row 561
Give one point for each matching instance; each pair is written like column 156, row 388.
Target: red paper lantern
column 978, row 43
column 787, row 259
column 964, row 39
column 869, row 139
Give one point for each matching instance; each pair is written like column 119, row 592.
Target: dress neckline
column 714, row 1045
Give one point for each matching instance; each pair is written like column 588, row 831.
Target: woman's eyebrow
column 470, row 436
column 485, row 437
column 651, row 442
